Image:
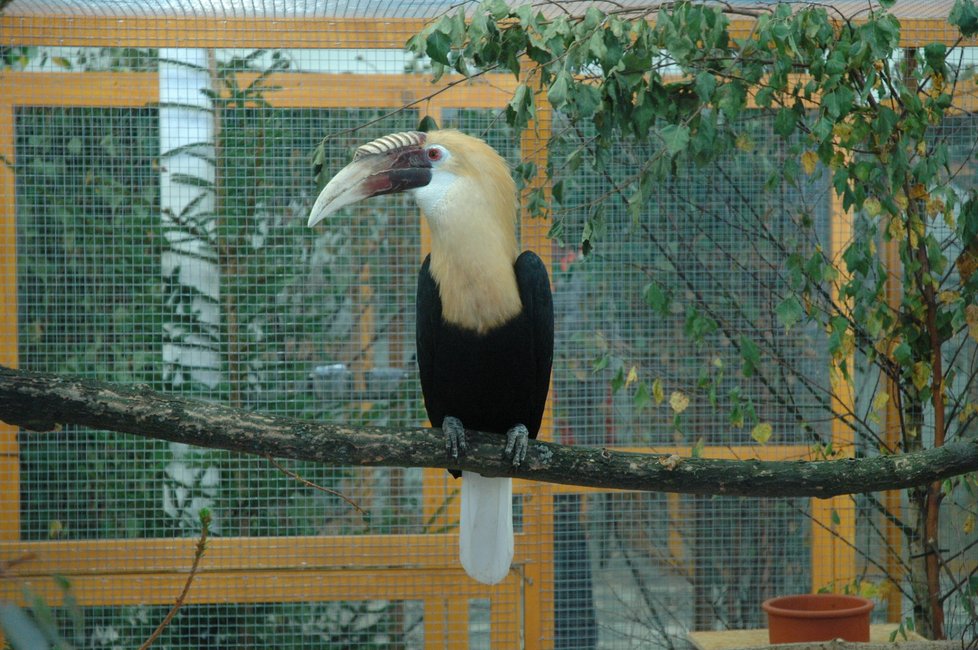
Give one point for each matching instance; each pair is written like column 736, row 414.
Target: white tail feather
column 485, row 540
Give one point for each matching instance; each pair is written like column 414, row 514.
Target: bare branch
column 42, row 401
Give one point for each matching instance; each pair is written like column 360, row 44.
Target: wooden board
column 726, row 639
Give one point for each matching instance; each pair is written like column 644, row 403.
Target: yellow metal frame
column 9, row 449
column 834, row 520
column 147, row 571
column 290, row 33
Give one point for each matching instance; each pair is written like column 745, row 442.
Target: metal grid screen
column 665, row 564
column 156, row 185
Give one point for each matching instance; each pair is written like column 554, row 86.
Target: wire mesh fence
column 154, row 199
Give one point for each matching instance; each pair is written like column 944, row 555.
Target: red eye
column 434, row 153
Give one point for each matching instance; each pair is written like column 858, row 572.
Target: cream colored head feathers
column 472, row 176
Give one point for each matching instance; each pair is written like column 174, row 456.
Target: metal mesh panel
column 155, row 202
column 701, row 242
column 95, row 302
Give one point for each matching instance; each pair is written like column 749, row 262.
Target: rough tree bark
column 847, row 645
column 41, row 402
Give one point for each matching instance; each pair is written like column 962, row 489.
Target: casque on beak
column 393, row 163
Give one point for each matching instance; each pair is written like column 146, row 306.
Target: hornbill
column 484, row 312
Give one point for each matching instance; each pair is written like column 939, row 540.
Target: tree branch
column 41, row 401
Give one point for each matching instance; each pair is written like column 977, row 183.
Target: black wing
column 427, row 324
column 538, row 309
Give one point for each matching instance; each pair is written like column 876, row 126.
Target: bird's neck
column 472, row 263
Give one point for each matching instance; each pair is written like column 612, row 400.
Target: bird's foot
column 454, row 436
column 517, row 442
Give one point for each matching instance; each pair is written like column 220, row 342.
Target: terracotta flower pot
column 817, row 617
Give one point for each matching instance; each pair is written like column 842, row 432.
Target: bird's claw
column 455, row 443
column 517, row 442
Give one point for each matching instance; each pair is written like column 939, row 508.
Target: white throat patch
column 431, row 197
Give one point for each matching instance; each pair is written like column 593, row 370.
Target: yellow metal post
column 538, row 510
column 9, row 450
column 892, row 500
column 834, row 520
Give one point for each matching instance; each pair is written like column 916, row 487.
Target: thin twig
column 7, row 565
column 445, row 88
column 315, row 486
column 205, row 522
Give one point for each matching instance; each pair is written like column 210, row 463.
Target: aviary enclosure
column 156, row 172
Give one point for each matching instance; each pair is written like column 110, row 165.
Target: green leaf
column 706, row 83
column 520, row 109
column 601, row 363
column 526, row 170
column 789, row 312
column 439, row 45
column 642, row 397
column 967, row 225
column 596, row 46
column 437, row 71
column 557, row 94
column 732, row 98
column 934, row 55
column 698, row 326
column 556, row 232
column 675, row 137
column 585, row 99
column 784, row 122
column 764, row 96
column 594, row 228
column 557, row 191
column 751, row 356
column 496, row 8
column 592, row 18
column 902, row 353
column 964, row 16
column 657, row 298
column 618, row 381
column 427, row 124
column 636, row 205
column 193, row 181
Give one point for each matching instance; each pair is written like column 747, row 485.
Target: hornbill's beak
column 390, row 164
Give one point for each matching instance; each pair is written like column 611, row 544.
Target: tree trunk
column 918, row 543
column 192, row 348
column 846, row 645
